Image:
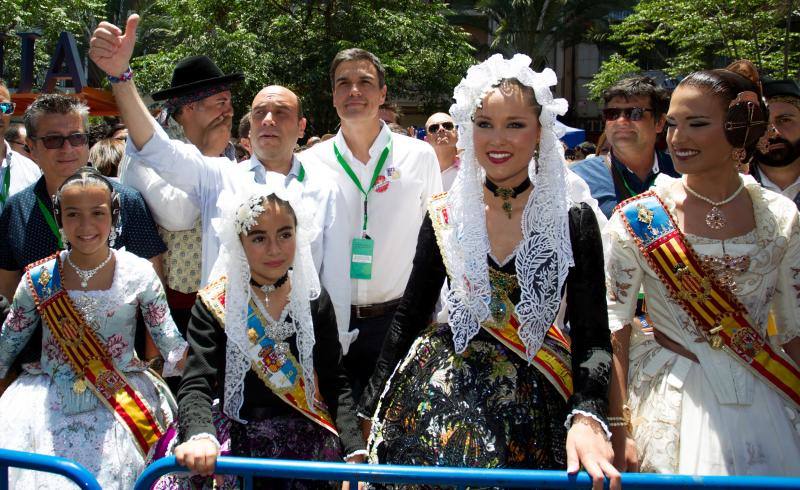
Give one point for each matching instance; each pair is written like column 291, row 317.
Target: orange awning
column 100, row 102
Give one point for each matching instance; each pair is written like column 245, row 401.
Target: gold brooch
column 79, row 386
column 644, row 215
column 252, row 336
column 44, row 277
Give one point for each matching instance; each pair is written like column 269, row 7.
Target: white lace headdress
column 239, row 212
column 545, row 255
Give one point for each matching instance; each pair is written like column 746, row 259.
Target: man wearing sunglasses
column 634, row 114
column 56, row 126
column 16, row 171
column 442, row 135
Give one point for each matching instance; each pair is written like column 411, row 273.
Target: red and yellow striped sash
column 553, row 359
column 88, row 357
column 715, row 309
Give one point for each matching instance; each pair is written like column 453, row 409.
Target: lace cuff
column 174, row 357
column 360, row 452
column 206, row 435
column 568, row 422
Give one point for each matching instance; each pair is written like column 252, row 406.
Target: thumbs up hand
column 111, row 49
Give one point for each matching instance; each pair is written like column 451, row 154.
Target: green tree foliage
column 682, row 36
column 612, row 70
column 535, row 27
column 292, row 43
column 50, row 18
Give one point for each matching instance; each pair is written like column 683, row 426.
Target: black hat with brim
column 193, row 74
column 774, row 88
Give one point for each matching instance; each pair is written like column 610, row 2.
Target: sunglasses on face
column 7, row 107
column 56, row 141
column 448, row 126
column 632, row 113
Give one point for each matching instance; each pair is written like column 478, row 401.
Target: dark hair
column 746, row 120
column 640, row 86
column 13, row 132
column 273, row 199
column 85, row 177
column 46, row 104
column 244, row 126
column 106, row 154
column 357, row 54
column 527, row 92
column 391, row 106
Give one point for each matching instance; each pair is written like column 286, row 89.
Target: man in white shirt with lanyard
column 16, row 171
column 276, row 124
column 386, row 179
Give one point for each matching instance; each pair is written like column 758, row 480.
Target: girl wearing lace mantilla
column 263, row 340
column 71, row 403
column 500, row 386
column 715, row 389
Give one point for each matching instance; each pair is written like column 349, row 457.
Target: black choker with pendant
column 268, row 288
column 506, row 194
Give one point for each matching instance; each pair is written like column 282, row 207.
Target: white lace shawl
column 232, row 264
column 545, row 255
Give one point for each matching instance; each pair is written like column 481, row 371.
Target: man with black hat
column 197, row 110
column 777, row 167
column 276, row 124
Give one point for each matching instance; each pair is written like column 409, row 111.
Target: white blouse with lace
column 714, row 417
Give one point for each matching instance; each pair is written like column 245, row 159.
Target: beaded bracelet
column 126, row 76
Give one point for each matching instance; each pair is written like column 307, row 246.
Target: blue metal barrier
column 248, row 468
column 48, row 464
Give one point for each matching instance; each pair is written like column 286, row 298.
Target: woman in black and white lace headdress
column 497, row 386
column 263, row 339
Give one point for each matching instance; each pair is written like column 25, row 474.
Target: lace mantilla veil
column 239, row 212
column 545, row 255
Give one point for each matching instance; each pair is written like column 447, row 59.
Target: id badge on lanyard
column 362, row 249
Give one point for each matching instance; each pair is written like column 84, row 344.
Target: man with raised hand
column 276, row 124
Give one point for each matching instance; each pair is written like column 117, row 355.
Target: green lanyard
column 6, row 184
column 354, row 178
column 301, row 176
column 51, row 222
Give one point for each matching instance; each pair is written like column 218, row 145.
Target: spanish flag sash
column 553, row 359
column 280, row 371
column 88, row 356
column 715, row 309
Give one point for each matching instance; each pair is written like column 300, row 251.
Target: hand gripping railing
column 460, row 478
column 49, row 464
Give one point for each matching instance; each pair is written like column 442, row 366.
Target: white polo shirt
column 23, row 172
column 396, row 206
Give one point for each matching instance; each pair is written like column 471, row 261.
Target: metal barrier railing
column 460, row 478
column 48, row 464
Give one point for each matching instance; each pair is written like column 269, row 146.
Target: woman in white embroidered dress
column 48, row 409
column 696, row 409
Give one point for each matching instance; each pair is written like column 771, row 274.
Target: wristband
column 126, row 76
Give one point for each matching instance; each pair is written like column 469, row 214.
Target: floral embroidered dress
column 711, row 417
column 486, row 407
column 41, row 413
